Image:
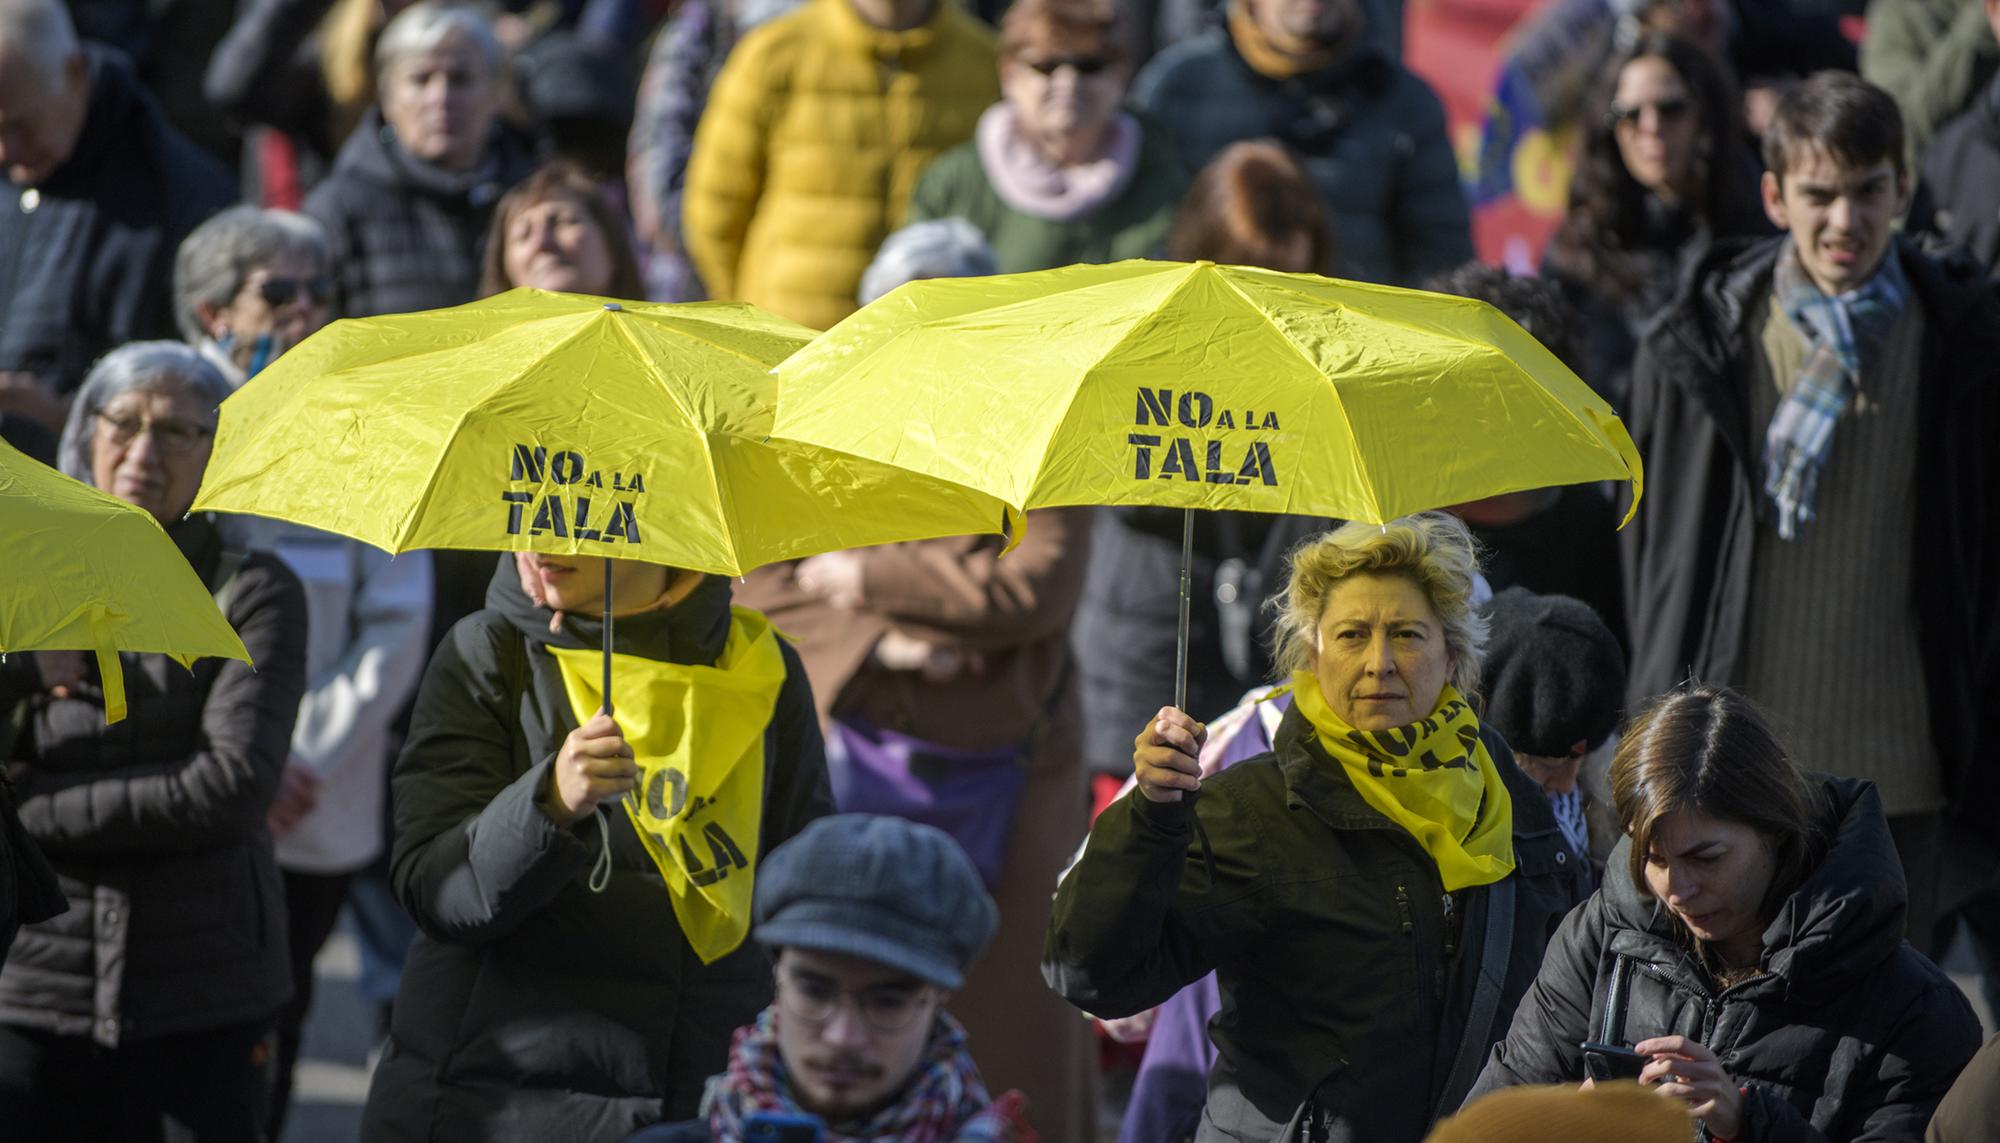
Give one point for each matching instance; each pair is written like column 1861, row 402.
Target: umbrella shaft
column 1181, row 631
column 607, row 634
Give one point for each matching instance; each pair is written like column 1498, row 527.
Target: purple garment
column 1172, row 1085
column 969, row 794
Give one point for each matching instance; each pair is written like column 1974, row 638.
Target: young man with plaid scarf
column 1821, row 527
column 871, row 921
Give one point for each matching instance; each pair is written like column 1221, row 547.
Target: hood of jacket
column 372, row 153
column 692, row 631
column 1842, row 921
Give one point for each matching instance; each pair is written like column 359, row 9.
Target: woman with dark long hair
column 1664, row 169
column 1747, row 945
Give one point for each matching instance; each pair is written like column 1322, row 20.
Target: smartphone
column 779, row 1127
column 1607, row 1062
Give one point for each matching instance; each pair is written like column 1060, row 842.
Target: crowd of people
column 1697, row 804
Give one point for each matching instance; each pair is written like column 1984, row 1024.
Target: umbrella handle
column 607, row 636
column 1181, row 631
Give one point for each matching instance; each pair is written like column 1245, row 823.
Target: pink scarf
column 1031, row 184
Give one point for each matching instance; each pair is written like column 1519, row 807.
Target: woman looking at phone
column 1747, row 940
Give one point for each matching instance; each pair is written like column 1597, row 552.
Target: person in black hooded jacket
column 545, row 998
column 1748, row 940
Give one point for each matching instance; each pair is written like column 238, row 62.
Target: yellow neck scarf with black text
column 1433, row 778
column 698, row 735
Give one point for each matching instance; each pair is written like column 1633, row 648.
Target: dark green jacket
column 1326, row 924
column 1932, row 55
column 1133, row 225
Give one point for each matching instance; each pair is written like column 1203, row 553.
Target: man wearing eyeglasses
column 871, row 922
column 96, row 190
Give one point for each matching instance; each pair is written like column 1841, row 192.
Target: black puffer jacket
column 155, row 826
column 532, row 1008
column 1850, row 1035
column 1340, row 963
column 406, row 235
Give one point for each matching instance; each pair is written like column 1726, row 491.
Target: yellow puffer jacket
column 814, row 136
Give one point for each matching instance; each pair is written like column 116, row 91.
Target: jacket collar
column 1843, row 920
column 691, row 631
column 116, row 101
column 373, row 153
column 903, row 47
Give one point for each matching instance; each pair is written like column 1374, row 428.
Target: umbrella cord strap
column 600, row 873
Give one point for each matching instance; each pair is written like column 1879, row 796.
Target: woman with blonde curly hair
column 1373, row 894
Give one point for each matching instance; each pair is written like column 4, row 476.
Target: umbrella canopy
column 1202, row 386
column 86, row 571
column 563, row 424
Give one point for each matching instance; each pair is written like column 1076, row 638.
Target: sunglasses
column 280, row 292
column 1083, row 65
column 1667, row 110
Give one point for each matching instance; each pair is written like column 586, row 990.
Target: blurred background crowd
column 188, row 188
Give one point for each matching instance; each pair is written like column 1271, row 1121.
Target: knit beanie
column 1554, row 674
column 1622, row 1112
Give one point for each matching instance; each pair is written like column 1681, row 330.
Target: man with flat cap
column 871, row 922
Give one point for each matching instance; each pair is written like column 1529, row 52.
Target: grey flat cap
column 884, row 889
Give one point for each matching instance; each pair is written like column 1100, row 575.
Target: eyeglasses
column 175, row 438
column 885, row 1008
column 1083, row 65
column 279, row 292
column 1666, row 110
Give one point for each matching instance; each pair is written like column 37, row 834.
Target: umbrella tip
column 614, row 307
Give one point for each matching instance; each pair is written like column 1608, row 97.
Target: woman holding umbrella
column 149, row 999
column 553, row 992
column 1374, row 894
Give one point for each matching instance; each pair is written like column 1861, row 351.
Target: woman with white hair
column 1373, row 894
column 140, row 1011
column 407, row 206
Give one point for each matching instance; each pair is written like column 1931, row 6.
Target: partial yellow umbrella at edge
column 86, row 571
column 1194, row 385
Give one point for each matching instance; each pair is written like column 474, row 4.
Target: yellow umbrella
column 1202, row 386
column 564, row 424
column 86, row 571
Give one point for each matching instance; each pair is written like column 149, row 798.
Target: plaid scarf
column 944, row 1102
column 1843, row 336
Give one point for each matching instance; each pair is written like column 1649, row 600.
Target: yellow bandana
column 698, row 736
column 1429, row 777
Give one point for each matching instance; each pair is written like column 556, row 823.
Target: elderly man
column 96, row 191
column 871, row 922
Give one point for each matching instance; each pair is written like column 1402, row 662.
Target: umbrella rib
column 1131, row 330
column 1340, row 406
column 708, row 446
